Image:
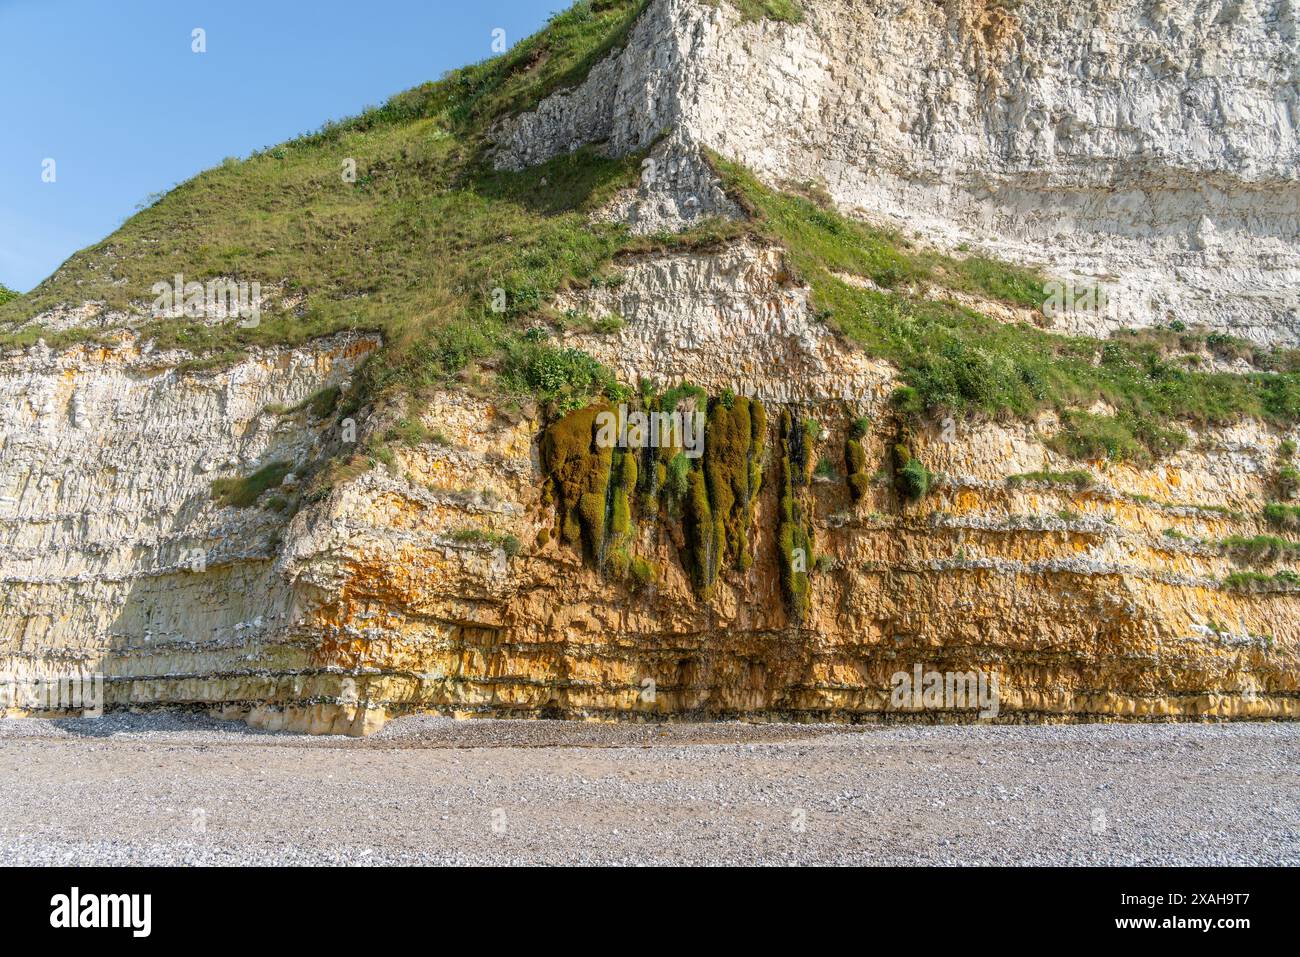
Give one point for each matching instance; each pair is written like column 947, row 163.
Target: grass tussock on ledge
column 782, row 11
column 244, row 492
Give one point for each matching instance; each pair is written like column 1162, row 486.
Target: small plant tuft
column 244, row 492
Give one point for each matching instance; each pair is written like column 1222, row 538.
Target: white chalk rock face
column 115, row 559
column 733, row 319
column 1149, row 147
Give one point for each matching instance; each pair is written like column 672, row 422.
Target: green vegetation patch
column 662, row 475
column 855, row 466
column 1079, row 478
column 321, row 404
column 600, row 490
column 911, row 477
column 1281, row 515
column 783, row 11
column 1260, row 548
column 644, row 573
column 1287, row 479
column 1256, row 581
column 7, row 294
column 244, row 492
column 855, row 458
column 702, row 535
column 478, row 536
column 957, row 361
column 733, row 449
column 565, row 379
column 794, row 531
column 578, row 471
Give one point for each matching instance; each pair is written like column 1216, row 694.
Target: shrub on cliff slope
column 6, row 294
column 566, row 379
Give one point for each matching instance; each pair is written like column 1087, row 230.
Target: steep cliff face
column 116, row 558
column 1147, row 145
column 1150, row 146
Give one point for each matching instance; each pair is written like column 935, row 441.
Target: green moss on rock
column 644, row 573
column 855, row 465
column 794, row 539
column 619, row 563
column 578, row 471
column 621, row 520
column 727, row 459
column 713, row 497
column 591, row 513
column 701, row 534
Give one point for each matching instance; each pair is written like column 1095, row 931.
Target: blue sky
column 112, row 92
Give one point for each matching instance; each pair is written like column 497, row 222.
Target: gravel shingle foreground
column 156, row 789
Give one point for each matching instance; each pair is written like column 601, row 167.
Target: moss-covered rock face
column 703, row 537
column 577, row 472
column 794, row 535
column 733, row 472
column 709, row 500
column 624, row 484
column 855, row 466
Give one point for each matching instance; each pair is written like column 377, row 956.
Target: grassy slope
column 957, row 360
column 6, row 294
column 414, row 248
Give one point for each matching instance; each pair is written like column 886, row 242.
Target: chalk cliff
column 1147, row 146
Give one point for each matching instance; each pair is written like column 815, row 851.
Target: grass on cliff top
column 413, row 248
column 956, row 360
column 6, row 294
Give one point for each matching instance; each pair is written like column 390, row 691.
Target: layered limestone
column 1147, row 147
column 1091, row 138
column 374, row 601
column 734, row 319
column 1083, row 602
column 115, row 558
